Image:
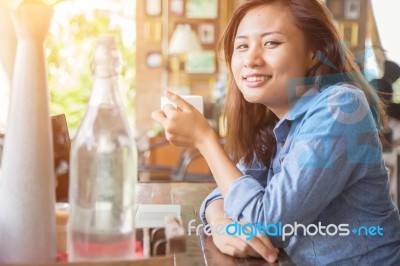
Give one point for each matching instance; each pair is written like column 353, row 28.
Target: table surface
column 200, row 250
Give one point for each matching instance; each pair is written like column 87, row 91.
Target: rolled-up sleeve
column 243, row 199
column 258, row 173
column 214, row 195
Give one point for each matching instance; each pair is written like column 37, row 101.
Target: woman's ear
column 313, row 59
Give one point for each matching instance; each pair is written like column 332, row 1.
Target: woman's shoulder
column 341, row 89
column 343, row 102
column 336, row 96
column 341, row 95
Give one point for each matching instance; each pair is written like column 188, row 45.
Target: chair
column 61, row 146
column 177, row 172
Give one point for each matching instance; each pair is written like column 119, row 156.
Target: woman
column 302, row 129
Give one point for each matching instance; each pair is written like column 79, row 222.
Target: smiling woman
column 302, row 147
column 261, row 55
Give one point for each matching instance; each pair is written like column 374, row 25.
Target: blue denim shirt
column 328, row 169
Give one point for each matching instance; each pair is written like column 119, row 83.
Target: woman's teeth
column 257, row 78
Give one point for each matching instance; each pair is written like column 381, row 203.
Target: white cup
column 195, row 100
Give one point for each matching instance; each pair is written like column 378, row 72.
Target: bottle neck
column 104, row 67
column 105, row 91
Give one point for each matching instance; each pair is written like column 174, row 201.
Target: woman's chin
column 253, row 99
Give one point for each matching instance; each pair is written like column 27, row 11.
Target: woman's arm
column 329, row 140
column 238, row 246
column 333, row 145
column 223, row 169
column 215, row 211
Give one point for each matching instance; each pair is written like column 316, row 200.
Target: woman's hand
column 184, row 125
column 237, row 246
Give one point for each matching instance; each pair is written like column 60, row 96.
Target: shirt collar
column 300, row 105
column 297, row 107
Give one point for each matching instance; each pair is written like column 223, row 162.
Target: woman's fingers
column 261, row 245
column 242, row 248
column 238, row 246
column 267, row 242
column 183, row 124
column 235, row 252
column 159, row 116
column 176, row 99
column 167, row 118
column 268, row 253
column 169, row 109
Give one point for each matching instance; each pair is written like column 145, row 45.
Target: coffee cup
column 195, row 100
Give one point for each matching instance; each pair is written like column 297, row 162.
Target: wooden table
column 200, row 250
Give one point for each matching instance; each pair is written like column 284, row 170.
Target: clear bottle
column 103, row 170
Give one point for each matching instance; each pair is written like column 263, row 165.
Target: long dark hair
column 249, row 125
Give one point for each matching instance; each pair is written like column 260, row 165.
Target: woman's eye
column 271, row 44
column 241, row 46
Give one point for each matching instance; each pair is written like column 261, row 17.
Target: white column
column 7, row 56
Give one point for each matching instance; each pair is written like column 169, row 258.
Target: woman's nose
column 254, row 57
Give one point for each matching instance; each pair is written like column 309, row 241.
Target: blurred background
column 172, row 45
column 158, row 55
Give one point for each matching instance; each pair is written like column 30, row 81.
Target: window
column 387, row 21
column 69, row 46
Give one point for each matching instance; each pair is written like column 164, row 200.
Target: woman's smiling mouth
column 255, row 81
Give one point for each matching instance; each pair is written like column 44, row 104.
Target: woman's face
column 269, row 50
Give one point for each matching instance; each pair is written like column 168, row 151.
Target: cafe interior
column 171, row 45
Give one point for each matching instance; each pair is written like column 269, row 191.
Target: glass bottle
column 103, row 170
